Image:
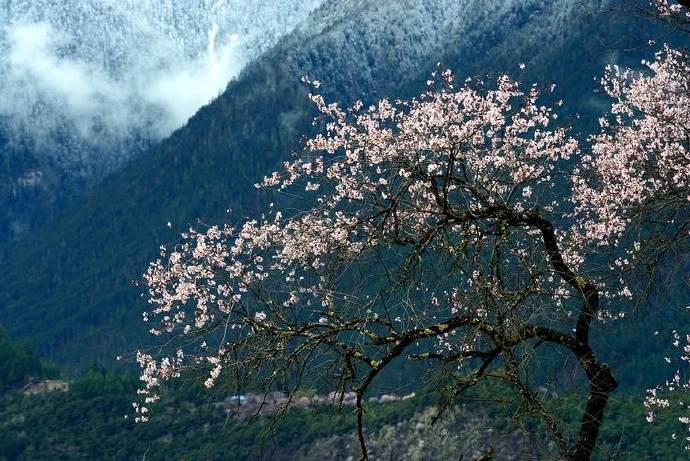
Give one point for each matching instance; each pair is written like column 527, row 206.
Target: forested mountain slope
column 86, row 85
column 87, row 422
column 70, row 288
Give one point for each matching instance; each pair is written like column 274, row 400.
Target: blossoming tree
column 437, row 229
column 636, row 201
column 433, row 237
column 633, row 188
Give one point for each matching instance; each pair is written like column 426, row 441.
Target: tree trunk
column 601, row 384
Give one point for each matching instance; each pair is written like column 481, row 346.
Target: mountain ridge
column 86, row 85
column 70, row 287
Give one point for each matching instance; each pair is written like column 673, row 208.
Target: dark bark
column 601, row 384
column 600, row 378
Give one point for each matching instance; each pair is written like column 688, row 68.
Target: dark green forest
column 89, row 422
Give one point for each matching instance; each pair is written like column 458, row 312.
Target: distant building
column 47, row 385
column 238, row 399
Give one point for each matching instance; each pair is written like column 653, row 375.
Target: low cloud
column 91, row 79
column 46, row 89
column 184, row 87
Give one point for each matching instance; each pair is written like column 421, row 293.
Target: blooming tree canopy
column 632, row 188
column 640, row 162
column 438, row 228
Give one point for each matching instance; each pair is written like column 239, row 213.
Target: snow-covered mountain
column 366, row 46
column 80, row 80
column 87, row 84
column 94, row 75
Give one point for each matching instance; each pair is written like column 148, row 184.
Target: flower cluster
column 641, row 158
column 667, row 8
column 661, row 396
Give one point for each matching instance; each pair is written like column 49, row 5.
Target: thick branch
column 587, row 289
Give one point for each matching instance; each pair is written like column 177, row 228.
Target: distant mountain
column 69, row 287
column 86, row 85
column 97, row 72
